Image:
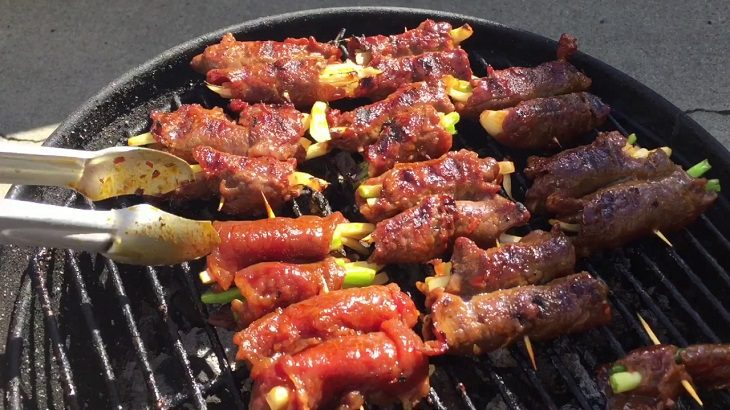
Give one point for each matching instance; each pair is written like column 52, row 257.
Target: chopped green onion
column 618, row 369
column 631, row 139
column 319, row 130
column 624, row 381
column 220, row 298
column 713, row 185
column 699, row 169
column 358, row 277
column 370, row 191
column 448, row 121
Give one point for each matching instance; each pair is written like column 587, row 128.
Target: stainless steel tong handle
column 139, row 235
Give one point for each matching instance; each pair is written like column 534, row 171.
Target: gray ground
column 54, row 55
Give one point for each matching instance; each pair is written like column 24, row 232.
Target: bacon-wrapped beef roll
column 243, row 243
column 395, row 72
column 354, row 130
column 384, row 367
column 489, row 321
column 621, row 213
column 429, row 229
column 560, row 180
column 266, row 286
column 273, row 131
column 411, row 135
column 537, row 258
column 533, row 124
column 460, row 174
column 651, row 377
column 337, row 313
column 428, row 36
column 507, row 88
column 230, row 53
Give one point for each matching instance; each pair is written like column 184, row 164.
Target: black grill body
column 87, row 332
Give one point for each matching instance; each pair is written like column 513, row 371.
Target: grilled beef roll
column 266, row 286
column 383, row 367
column 489, row 321
column 429, row 229
column 460, row 174
column 244, row 243
column 560, row 180
column 533, row 124
column 428, row 36
column 322, row 317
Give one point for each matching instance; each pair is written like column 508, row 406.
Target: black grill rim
column 603, row 75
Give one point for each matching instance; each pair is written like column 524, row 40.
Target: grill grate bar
column 38, row 276
column 612, row 341
column 137, row 342
column 172, row 330
column 435, row 400
column 712, row 228
column 697, row 281
column 570, row 381
column 217, row 346
column 680, row 299
column 709, row 258
column 649, row 302
column 509, row 397
column 531, row 375
column 15, row 343
column 93, row 327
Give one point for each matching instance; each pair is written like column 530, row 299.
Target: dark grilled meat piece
column 230, row 53
column 272, row 131
column 621, row 213
column 294, row 80
column 424, row 67
column 353, row 130
column 311, row 321
column 461, row 174
column 507, row 88
column 428, row 36
column 533, row 124
column 660, row 379
column 708, row 364
column 244, row 243
column 538, row 258
column 560, row 180
column 411, row 135
column 662, row 369
column 266, row 286
column 240, row 181
column 428, row 230
column 489, row 321
column 383, row 367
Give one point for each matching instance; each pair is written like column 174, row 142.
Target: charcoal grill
column 87, row 332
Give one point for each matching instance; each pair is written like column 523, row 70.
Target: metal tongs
column 140, row 235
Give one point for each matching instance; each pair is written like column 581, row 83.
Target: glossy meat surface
column 560, row 180
column 507, row 88
column 708, row 364
column 533, row 124
column 428, row 36
column 660, row 379
column 461, row 174
column 244, row 243
column 266, row 286
column 403, row 70
column 538, row 258
column 240, row 181
column 411, row 135
column 328, row 315
column 621, row 213
column 273, row 130
column 383, row 367
column 293, row 81
column 353, row 130
column 489, row 321
column 230, row 53
column 428, row 230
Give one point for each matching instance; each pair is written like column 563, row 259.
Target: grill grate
column 660, row 283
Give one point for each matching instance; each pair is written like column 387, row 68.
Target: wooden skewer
column 661, row 236
column 269, row 211
column 685, row 383
column 530, row 352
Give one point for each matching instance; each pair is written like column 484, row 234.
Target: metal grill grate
column 678, row 290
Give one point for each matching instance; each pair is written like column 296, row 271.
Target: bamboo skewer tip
column 530, row 351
